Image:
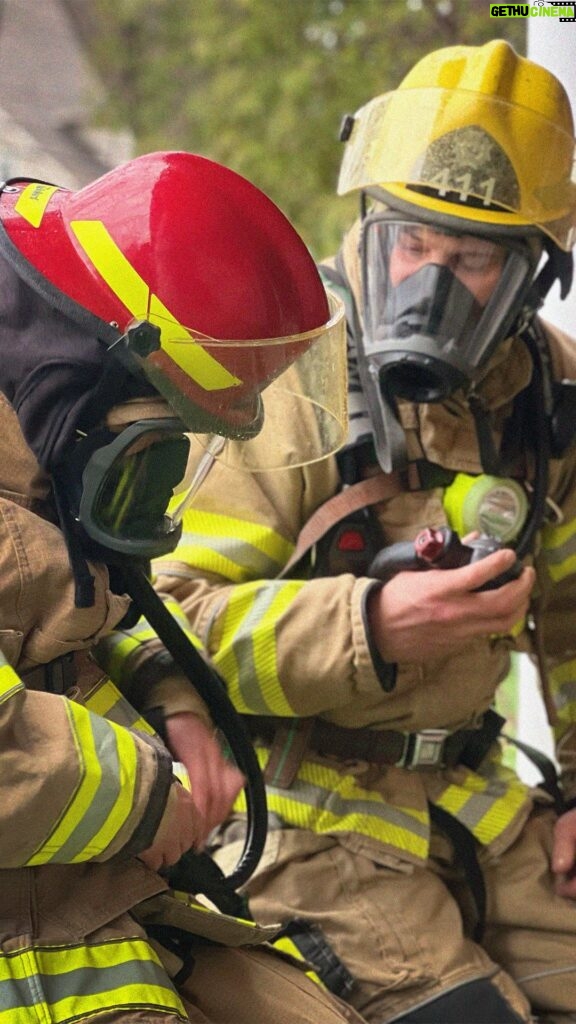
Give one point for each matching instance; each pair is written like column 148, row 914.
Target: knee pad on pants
column 476, row 1002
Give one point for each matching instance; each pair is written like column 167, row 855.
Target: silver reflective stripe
column 64, row 984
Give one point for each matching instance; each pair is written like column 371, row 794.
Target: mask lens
column 137, row 489
column 436, row 304
column 128, row 486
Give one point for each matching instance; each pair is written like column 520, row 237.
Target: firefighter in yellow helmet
column 166, row 295
column 363, row 609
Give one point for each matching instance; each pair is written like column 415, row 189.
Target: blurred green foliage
column 261, row 85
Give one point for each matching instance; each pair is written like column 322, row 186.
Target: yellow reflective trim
column 204, row 559
column 309, row 815
column 566, row 568
column 265, row 649
column 153, row 997
column 10, row 682
column 102, row 698
column 177, row 613
column 54, row 960
column 261, row 636
column 556, row 536
column 322, row 821
column 85, row 790
column 239, row 606
column 105, row 697
column 559, row 570
column 128, row 762
column 286, row 945
column 211, row 524
column 553, row 539
column 135, row 295
column 501, row 813
column 44, row 976
column 564, row 673
column 32, row 202
column 114, row 649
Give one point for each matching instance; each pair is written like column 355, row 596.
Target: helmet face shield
column 452, row 152
column 183, row 268
column 310, row 388
column 436, row 304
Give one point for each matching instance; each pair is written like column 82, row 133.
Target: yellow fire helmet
column 479, row 134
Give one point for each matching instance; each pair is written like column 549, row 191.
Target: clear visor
column 279, row 402
column 457, row 143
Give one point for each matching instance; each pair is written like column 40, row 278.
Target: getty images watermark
column 538, row 9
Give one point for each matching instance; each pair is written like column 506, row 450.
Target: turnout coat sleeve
column 73, row 785
column 270, row 637
column 295, row 647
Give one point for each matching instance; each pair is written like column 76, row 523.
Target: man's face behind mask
column 437, row 303
column 476, row 262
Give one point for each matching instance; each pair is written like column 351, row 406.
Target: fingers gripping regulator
column 439, row 549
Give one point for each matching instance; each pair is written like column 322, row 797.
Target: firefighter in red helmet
column 161, row 299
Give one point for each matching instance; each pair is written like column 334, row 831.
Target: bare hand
column 180, row 829
column 564, row 855
column 420, row 616
column 214, row 782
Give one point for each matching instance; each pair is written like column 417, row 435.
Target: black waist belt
column 289, row 740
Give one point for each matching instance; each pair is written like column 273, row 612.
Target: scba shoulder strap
column 339, row 508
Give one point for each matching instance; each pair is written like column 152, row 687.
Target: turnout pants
column 71, row 951
column 403, row 934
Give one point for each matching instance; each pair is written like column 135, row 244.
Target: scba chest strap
column 348, row 506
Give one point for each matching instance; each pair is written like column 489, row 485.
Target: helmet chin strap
column 559, row 265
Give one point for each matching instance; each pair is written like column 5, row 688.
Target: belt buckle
column 424, row 749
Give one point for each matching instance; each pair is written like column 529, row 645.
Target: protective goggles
column 436, row 305
column 125, row 486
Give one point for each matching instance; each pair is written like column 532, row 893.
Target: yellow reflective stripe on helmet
column 10, row 682
column 247, row 656
column 325, row 801
column 103, row 799
column 559, row 549
column 485, row 806
column 134, row 293
column 233, row 548
column 65, row 984
column 33, row 200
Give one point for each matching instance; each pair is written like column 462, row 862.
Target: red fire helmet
column 188, row 246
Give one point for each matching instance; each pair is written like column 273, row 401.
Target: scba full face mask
column 124, row 488
column 437, row 302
